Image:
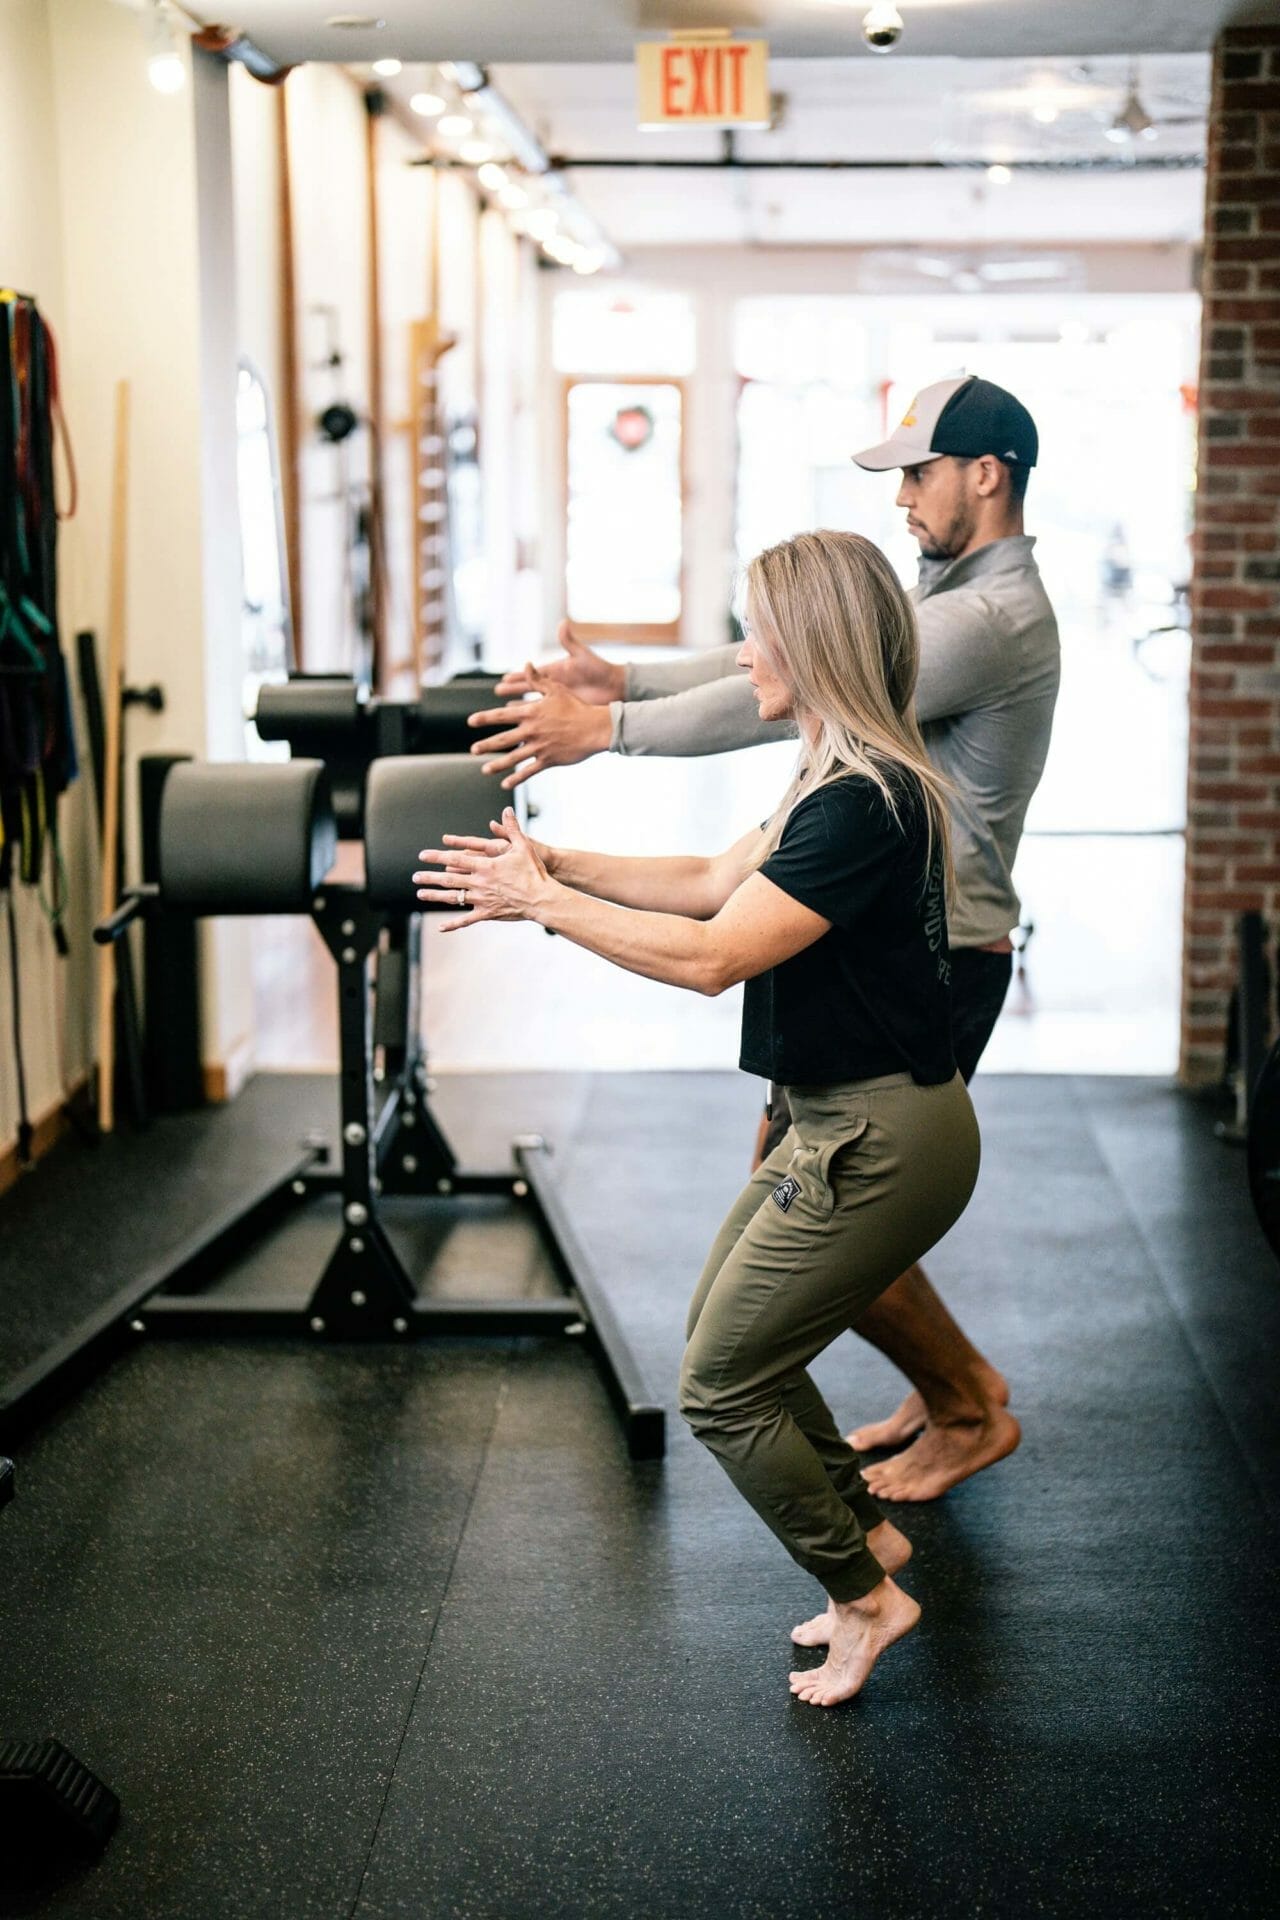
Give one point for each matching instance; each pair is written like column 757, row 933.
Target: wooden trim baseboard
column 223, row 1079
column 50, row 1126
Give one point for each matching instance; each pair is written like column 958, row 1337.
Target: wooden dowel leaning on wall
column 373, row 107
column 290, row 399
column 112, row 699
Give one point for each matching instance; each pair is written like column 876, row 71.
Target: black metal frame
column 391, row 1143
column 1250, row 1019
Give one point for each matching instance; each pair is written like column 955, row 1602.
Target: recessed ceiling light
column 999, row 175
column 427, row 104
column 386, row 69
column 492, row 176
column 456, row 126
column 475, row 152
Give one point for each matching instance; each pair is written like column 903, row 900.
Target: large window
column 624, row 357
column 625, row 506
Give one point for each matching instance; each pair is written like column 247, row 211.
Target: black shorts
column 979, row 983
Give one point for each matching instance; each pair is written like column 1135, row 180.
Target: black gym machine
column 261, row 838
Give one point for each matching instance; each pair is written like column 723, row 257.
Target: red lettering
column 737, row 61
column 698, row 60
column 671, row 78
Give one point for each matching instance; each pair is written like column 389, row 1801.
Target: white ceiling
column 891, row 210
column 935, row 109
column 921, row 110
column 560, row 30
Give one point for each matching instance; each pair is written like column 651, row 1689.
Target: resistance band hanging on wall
column 37, row 753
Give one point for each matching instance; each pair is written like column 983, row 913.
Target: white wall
column 256, row 191
column 227, row 980
column 54, row 997
column 101, row 217
column 327, row 163
column 158, row 262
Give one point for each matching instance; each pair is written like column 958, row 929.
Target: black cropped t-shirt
column 872, row 995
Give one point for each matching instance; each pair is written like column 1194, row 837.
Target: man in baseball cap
column 964, row 418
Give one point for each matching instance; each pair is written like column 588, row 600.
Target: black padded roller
column 241, row 838
column 310, row 710
column 439, row 722
column 410, row 803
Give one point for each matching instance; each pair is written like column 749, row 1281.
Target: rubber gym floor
column 403, row 1632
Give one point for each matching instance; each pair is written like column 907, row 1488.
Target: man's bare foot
column 893, row 1432
column 942, row 1457
column 863, row 1630
column 912, row 1415
column 891, row 1548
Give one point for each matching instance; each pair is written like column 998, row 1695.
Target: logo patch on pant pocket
column 786, row 1193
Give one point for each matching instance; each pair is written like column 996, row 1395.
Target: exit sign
column 703, row 80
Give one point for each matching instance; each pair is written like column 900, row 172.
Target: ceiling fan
column 970, row 272
column 1052, row 112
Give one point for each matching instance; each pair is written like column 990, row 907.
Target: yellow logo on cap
column 908, row 420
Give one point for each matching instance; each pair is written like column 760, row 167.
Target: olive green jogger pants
column 870, row 1175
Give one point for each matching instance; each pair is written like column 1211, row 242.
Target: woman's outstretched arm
column 682, row 883
column 757, row 926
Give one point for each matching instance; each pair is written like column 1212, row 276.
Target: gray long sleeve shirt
column 985, row 698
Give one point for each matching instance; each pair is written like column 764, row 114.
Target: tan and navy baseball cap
column 968, row 417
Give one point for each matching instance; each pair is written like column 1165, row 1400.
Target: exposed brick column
column 1233, row 789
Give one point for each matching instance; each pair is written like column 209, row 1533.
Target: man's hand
column 581, row 671
column 555, row 730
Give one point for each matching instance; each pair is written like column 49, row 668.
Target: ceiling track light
column 538, row 203
column 166, row 69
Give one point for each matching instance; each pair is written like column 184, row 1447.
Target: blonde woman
column 834, row 916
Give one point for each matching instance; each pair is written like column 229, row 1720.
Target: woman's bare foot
column 864, row 1629
column 943, row 1456
column 891, row 1548
column 912, row 1415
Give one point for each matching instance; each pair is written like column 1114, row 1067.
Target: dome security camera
column 882, row 28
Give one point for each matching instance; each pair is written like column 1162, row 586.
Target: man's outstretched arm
column 598, row 681
column 713, row 714
column 650, row 679
column 713, row 717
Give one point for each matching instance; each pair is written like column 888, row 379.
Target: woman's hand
column 505, row 878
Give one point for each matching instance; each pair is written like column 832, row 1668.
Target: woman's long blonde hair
column 831, row 617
